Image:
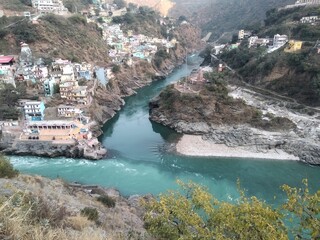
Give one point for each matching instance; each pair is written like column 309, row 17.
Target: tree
column 6, row 168
column 9, row 95
column 305, row 208
column 196, row 214
column 116, row 68
column 234, row 38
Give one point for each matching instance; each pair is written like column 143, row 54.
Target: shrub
column 107, row 201
column 91, row 213
column 115, row 69
column 6, row 168
column 25, row 32
column 77, row 19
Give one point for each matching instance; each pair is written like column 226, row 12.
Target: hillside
column 219, row 16
column 54, row 36
column 33, row 207
column 216, row 16
column 294, row 74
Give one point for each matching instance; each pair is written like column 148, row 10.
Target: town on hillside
column 53, row 96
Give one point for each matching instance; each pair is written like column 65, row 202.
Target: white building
column 50, row 6
column 255, row 41
column 309, row 19
column 279, row 40
column 68, row 111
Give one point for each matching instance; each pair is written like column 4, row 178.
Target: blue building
column 34, row 110
column 48, row 86
column 84, row 74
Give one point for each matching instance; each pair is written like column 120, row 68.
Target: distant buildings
column 309, row 19
column 49, row 6
column 301, row 3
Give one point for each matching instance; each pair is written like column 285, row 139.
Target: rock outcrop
column 236, row 124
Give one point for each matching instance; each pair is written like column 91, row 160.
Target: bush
column 25, row 32
column 6, row 168
column 78, row 19
column 115, row 69
column 91, row 213
column 107, row 201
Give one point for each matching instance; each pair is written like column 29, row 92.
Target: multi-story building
column 80, row 95
column 66, row 90
column 49, row 87
column 68, row 111
column 34, row 110
column 49, row 6
column 279, row 40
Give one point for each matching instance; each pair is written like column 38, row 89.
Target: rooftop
column 6, row 59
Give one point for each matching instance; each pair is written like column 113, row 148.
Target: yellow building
column 293, row 46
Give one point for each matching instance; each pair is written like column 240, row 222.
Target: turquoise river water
column 140, row 164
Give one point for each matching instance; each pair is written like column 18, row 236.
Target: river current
column 139, row 162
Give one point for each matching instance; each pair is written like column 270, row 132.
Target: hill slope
column 295, row 74
column 220, row 16
column 54, row 36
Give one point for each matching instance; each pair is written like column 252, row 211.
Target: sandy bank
column 195, row 146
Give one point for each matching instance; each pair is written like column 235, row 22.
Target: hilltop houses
column 136, row 46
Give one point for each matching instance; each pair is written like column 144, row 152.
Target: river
column 140, row 164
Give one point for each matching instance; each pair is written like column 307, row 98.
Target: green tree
column 6, row 168
column 196, row 214
column 9, row 95
column 116, row 68
column 305, row 208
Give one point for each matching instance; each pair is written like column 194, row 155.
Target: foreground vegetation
column 193, row 213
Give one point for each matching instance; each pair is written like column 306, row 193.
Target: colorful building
column 293, row 46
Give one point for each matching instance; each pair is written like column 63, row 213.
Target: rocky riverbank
column 254, row 123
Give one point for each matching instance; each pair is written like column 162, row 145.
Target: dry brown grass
column 78, row 222
column 24, row 217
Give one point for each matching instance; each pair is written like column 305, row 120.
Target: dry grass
column 78, row 222
column 25, row 217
